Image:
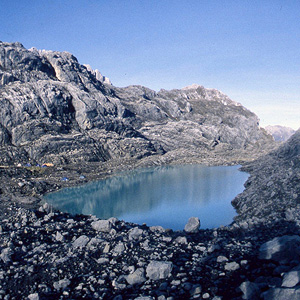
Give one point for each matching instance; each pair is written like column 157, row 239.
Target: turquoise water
column 166, row 196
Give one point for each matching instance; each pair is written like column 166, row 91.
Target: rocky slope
column 273, row 190
column 280, row 133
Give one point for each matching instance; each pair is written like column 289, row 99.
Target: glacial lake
column 166, row 196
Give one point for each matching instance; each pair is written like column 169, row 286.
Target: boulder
column 81, row 241
column 136, row 277
column 61, row 284
column 159, row 270
column 135, row 233
column 192, row 225
column 231, row 266
column 102, row 225
column 250, row 290
column 34, row 296
column 281, row 294
column 291, row 279
column 282, row 249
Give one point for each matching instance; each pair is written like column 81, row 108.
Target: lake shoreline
column 166, row 195
column 25, row 186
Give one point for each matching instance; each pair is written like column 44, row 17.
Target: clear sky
column 250, row 50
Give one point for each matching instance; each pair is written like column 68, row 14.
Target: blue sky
column 250, row 50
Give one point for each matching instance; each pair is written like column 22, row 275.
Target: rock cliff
column 53, row 109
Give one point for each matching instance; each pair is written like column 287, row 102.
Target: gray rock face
column 280, row 133
column 282, row 249
column 192, row 225
column 57, row 110
column 159, row 269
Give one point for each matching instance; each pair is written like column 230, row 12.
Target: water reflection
column 165, row 196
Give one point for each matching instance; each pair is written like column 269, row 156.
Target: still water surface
column 165, row 196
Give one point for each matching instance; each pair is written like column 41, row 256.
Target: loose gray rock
column 6, row 255
column 291, row 279
column 250, row 290
column 119, row 248
column 232, row 266
column 192, row 225
column 59, row 237
column 94, row 243
column 135, row 233
column 221, row 259
column 102, row 225
column 34, row 296
column 181, row 240
column 81, row 241
column 61, row 284
column 159, row 269
column 281, row 294
column 102, row 260
column 136, row 277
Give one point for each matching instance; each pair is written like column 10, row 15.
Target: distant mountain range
column 280, row 133
column 54, row 109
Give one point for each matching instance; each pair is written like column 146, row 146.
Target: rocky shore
column 52, row 255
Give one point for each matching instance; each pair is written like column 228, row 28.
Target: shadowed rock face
column 54, row 109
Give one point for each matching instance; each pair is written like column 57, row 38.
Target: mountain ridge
column 55, row 109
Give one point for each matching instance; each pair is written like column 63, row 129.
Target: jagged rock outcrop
column 52, row 108
column 273, row 189
column 280, row 133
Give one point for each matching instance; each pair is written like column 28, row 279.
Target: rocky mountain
column 280, row 133
column 53, row 109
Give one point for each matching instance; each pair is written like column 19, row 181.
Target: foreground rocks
column 53, row 255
